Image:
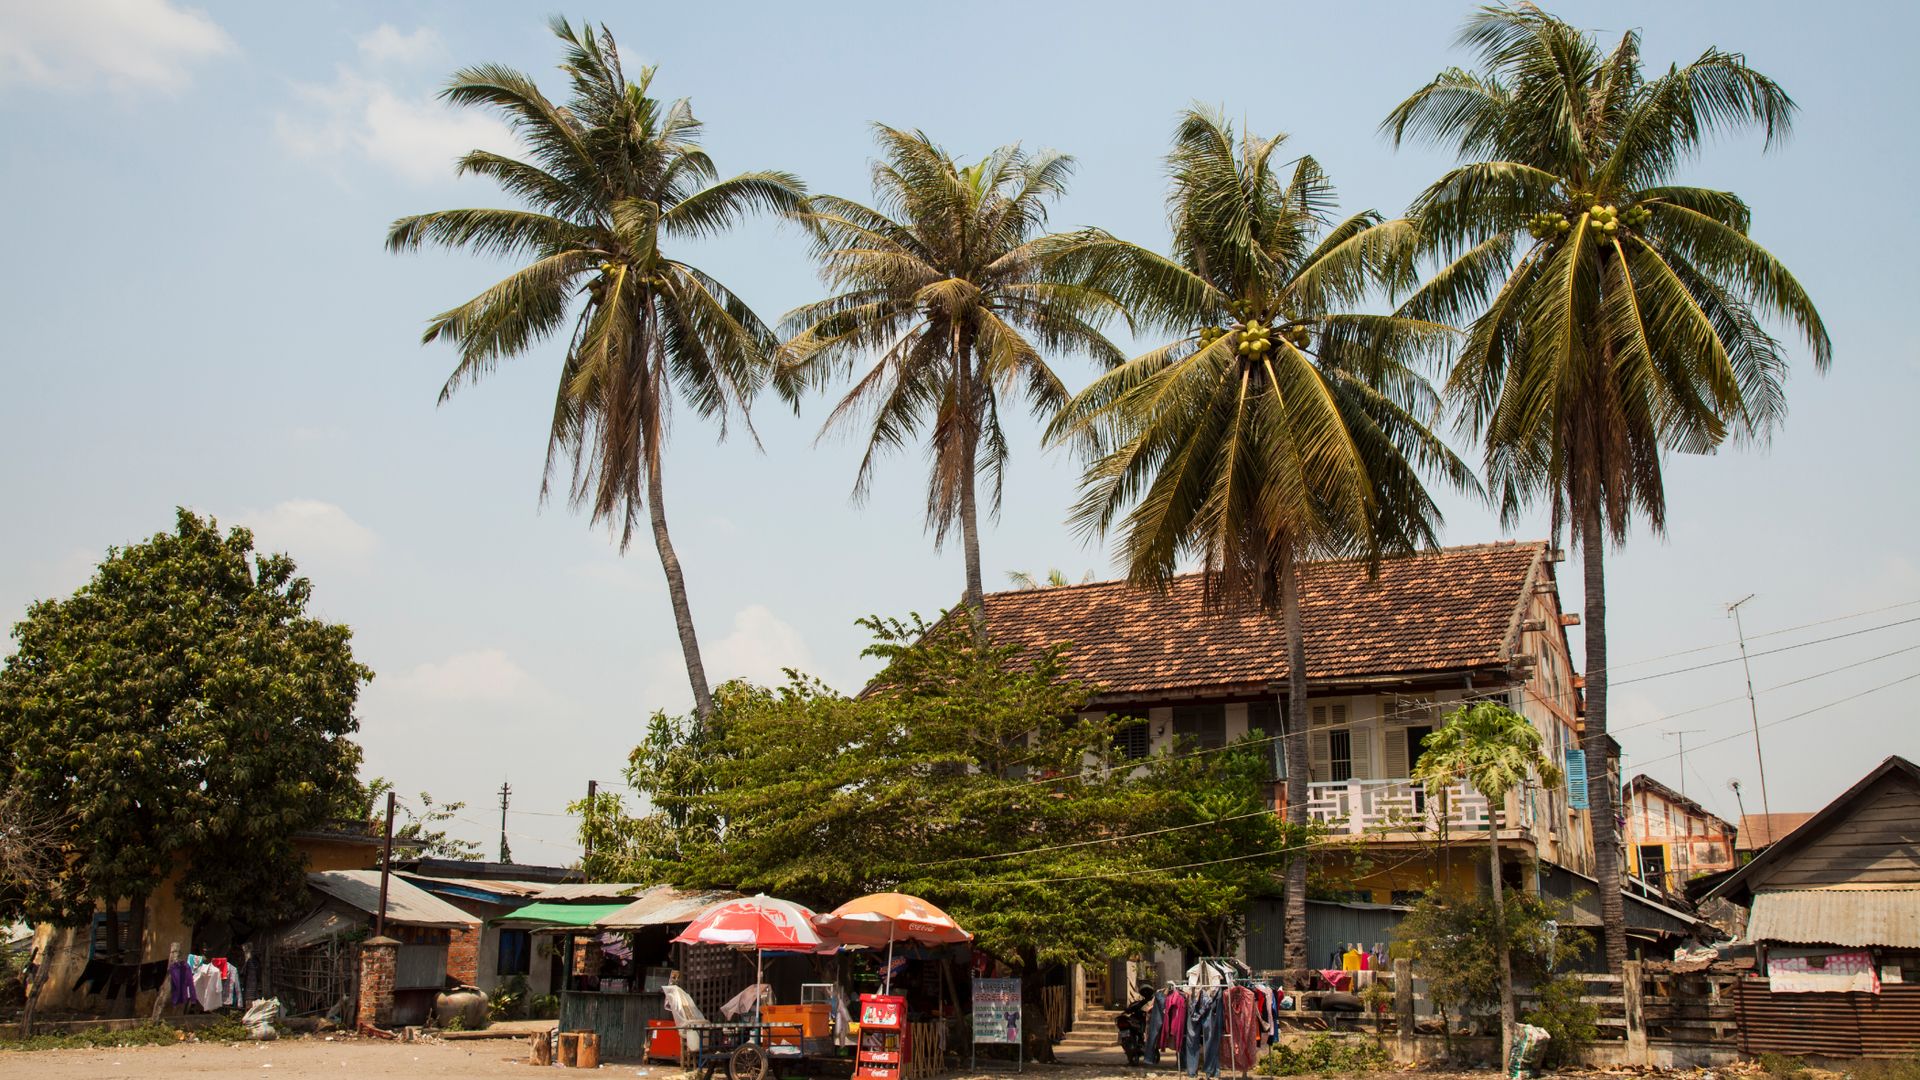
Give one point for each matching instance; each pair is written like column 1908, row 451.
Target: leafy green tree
column 614, row 177
column 1615, row 315
column 1446, row 937
column 1280, row 423
column 1495, row 750
column 181, row 710
column 941, row 283
column 1054, row 578
column 960, row 775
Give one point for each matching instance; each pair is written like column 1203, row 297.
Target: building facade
column 1389, row 655
column 1672, row 839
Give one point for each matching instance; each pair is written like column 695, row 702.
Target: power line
column 1766, row 652
column 1764, row 690
column 1263, row 812
column 1804, row 712
column 1770, row 633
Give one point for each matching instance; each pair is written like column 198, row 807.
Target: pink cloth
column 1174, row 1031
column 1243, row 1022
column 1338, row 979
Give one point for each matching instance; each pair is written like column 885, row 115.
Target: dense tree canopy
column 961, row 775
column 182, row 705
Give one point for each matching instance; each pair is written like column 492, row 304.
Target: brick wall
column 378, row 957
column 463, row 956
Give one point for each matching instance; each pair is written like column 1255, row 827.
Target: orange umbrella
column 905, row 917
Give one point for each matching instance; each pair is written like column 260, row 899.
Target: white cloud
column 415, row 137
column 307, row 527
column 364, row 114
column 121, row 44
column 484, row 675
column 386, row 44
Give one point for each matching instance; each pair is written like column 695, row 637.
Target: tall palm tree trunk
column 677, row 592
column 1500, row 936
column 1606, row 846
column 969, row 505
column 1296, row 721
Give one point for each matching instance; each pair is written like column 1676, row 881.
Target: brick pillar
column 463, row 956
column 378, row 957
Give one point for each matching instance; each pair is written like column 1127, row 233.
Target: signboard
column 996, row 1011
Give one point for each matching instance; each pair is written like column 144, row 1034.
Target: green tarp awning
column 534, row 916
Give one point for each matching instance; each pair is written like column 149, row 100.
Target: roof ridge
column 1124, row 582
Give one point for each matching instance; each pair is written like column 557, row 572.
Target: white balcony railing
column 1372, row 806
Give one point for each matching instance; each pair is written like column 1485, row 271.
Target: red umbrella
column 759, row 923
column 755, row 922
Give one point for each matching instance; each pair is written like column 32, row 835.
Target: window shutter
column 1320, row 751
column 1577, row 779
column 1362, row 754
column 1394, row 766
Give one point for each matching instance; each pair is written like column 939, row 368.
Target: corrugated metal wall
column 1886, row 1024
column 1329, row 927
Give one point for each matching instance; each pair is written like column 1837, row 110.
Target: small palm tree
column 1278, row 424
column 1495, row 750
column 1055, row 578
column 613, row 175
column 1615, row 314
column 941, row 284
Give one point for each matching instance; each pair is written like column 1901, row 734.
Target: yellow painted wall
column 1384, row 871
column 166, row 926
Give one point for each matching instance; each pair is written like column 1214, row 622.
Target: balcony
column 1362, row 807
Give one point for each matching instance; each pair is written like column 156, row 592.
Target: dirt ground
column 313, row 1058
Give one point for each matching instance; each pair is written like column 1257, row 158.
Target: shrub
column 226, row 1029
column 1324, row 1055
column 1565, row 1014
column 1783, row 1066
column 543, row 1007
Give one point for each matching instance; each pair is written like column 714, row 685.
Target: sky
column 196, row 310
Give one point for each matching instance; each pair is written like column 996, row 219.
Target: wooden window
column 1264, row 717
column 1133, row 740
column 1206, row 725
column 1340, row 754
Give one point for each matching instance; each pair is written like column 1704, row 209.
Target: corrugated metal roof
column 664, row 905
column 407, row 903
column 590, row 891
column 497, row 886
column 1889, row 918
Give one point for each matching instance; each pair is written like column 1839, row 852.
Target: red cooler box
column 883, row 1037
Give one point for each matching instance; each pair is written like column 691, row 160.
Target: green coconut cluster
column 1545, row 225
column 1255, row 340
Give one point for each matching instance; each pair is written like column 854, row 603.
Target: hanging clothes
column 1242, row 1007
column 1156, row 1024
column 1174, row 1035
column 180, row 976
column 209, row 988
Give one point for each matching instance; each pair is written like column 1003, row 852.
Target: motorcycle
column 1132, row 1025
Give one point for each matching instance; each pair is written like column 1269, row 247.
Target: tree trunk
column 1033, row 1008
column 1296, row 725
column 969, row 507
column 1600, row 794
column 1500, row 937
column 677, row 591
column 136, row 952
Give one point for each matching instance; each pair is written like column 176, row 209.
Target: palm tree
column 1614, row 314
column 1495, row 750
column 1278, row 424
column 941, row 284
column 609, row 177
column 1055, row 578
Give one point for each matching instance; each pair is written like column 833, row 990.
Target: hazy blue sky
column 197, row 310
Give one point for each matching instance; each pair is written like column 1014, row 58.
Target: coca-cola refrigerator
column 883, row 1037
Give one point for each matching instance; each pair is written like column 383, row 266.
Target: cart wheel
column 749, row 1062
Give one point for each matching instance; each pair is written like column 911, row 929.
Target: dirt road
column 291, row 1059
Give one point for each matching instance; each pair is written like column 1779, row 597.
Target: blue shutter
column 1577, row 779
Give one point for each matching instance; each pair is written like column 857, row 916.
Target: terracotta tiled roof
column 1442, row 611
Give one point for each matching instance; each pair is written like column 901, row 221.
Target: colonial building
column 1388, row 656
column 1672, row 839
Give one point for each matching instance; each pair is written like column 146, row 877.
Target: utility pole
column 1753, row 710
column 386, row 868
column 593, row 787
column 1681, row 737
column 1734, row 786
column 506, row 791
